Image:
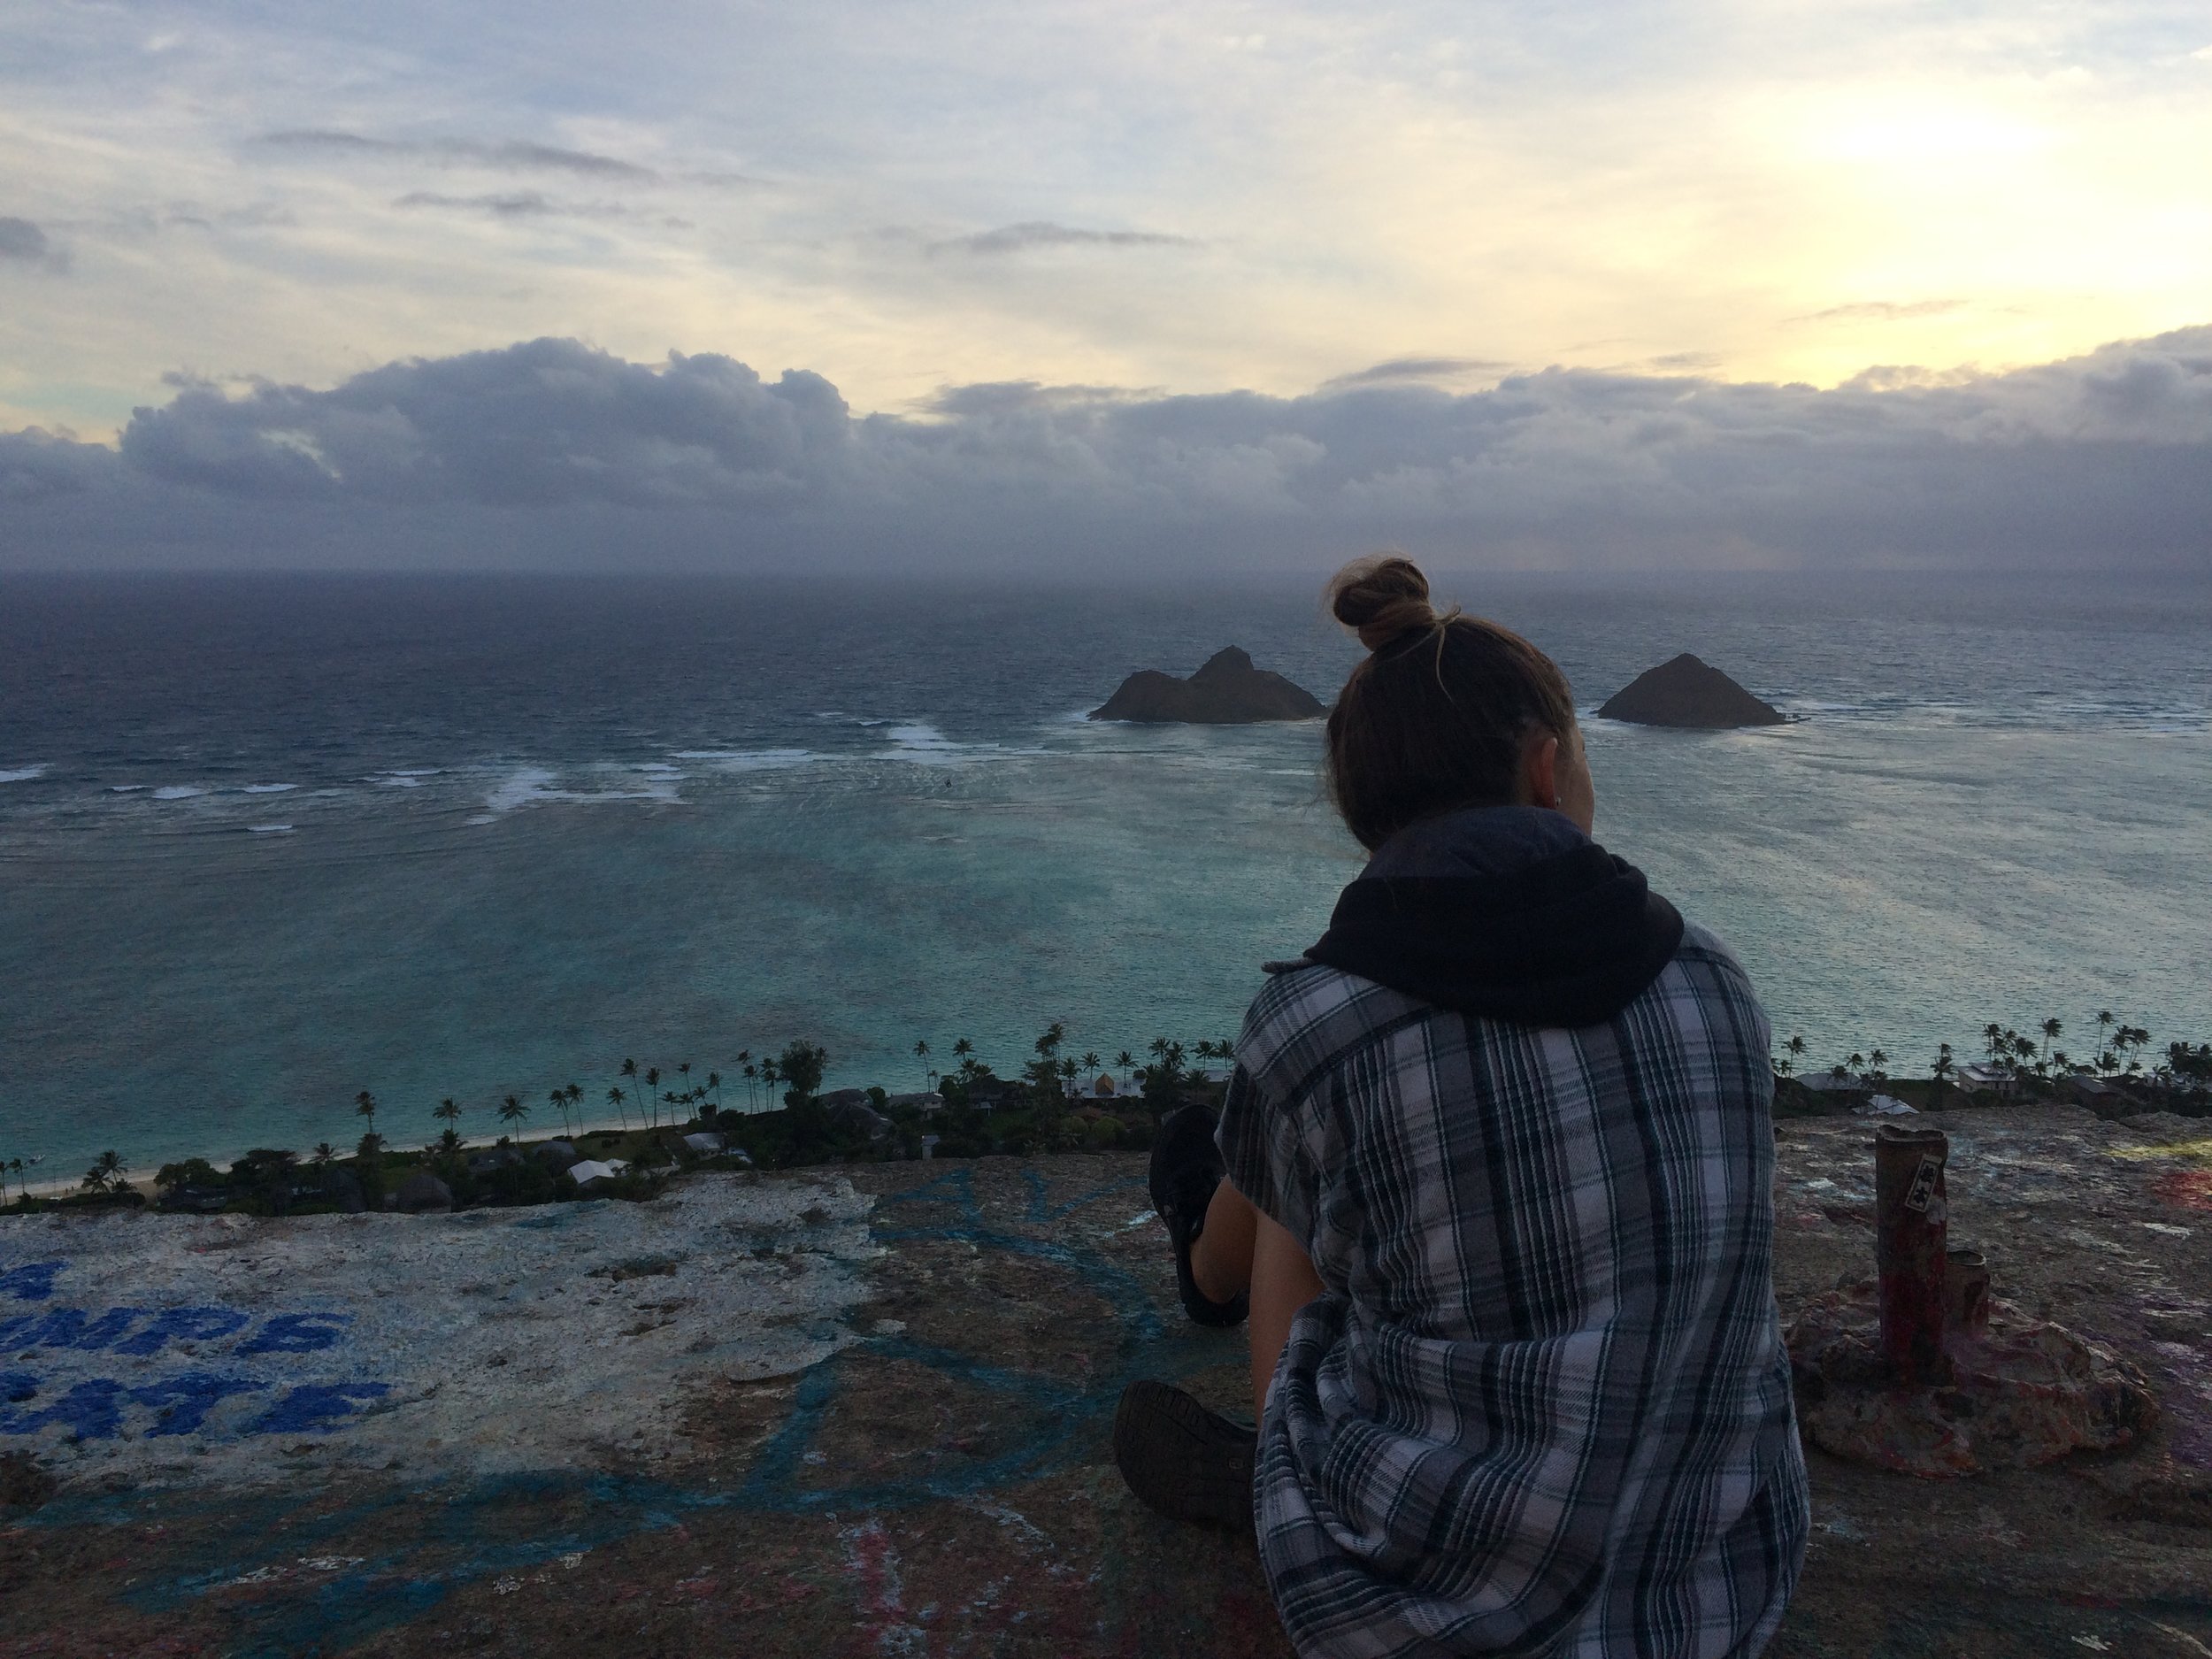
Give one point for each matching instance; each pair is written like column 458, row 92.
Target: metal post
column 1966, row 1290
column 1911, row 1226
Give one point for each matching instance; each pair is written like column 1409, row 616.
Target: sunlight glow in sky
column 1168, row 198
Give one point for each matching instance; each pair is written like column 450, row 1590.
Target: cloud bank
column 551, row 453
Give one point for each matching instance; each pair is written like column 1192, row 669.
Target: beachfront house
column 987, row 1092
column 1828, row 1083
column 1987, row 1079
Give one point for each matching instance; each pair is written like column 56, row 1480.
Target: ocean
column 269, row 841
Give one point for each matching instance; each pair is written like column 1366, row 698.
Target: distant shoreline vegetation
column 1058, row 1102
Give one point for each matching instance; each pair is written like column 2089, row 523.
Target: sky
column 948, row 282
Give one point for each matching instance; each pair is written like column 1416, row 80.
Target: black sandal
column 1183, row 1461
column 1187, row 1167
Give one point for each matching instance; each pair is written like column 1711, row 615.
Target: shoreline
column 2114, row 1099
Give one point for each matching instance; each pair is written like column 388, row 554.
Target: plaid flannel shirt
column 1542, row 1405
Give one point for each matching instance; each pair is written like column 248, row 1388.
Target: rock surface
column 803, row 1420
column 1687, row 692
column 1226, row 691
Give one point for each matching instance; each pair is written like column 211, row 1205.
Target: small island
column 1689, row 694
column 1226, row 691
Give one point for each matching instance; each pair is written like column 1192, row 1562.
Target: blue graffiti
column 316, row 1406
column 180, row 1404
column 298, row 1334
column 76, row 1328
column 185, row 1324
column 32, row 1281
column 93, row 1409
column 90, row 1411
column 67, row 1327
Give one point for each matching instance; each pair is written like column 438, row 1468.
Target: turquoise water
column 268, row 841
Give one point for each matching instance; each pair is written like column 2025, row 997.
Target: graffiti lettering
column 66, row 1328
column 93, row 1409
column 89, row 1411
column 316, row 1407
column 297, row 1333
column 101, row 1407
column 32, row 1281
column 180, row 1403
column 75, row 1328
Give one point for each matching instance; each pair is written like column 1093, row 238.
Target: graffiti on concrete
column 230, row 1351
column 233, row 1379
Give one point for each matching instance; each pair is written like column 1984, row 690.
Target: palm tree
column 364, row 1106
column 1939, row 1074
column 558, row 1100
column 512, row 1110
column 714, row 1082
column 652, row 1082
column 2104, row 1019
column 449, row 1110
column 576, row 1100
column 629, row 1071
column 615, row 1097
column 2051, row 1028
column 1125, row 1064
column 752, row 1075
column 1068, row 1069
column 106, row 1174
column 962, row 1048
column 324, row 1153
column 929, row 1072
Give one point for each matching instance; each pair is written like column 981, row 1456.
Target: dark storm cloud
column 1040, row 234
column 554, row 453
column 23, row 242
column 509, row 156
column 1403, row 369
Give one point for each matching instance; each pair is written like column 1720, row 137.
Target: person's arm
column 1283, row 1281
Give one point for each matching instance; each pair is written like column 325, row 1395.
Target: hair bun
column 1382, row 598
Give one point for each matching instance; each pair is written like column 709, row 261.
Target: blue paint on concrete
column 460, row 1531
column 94, row 1407
column 297, row 1333
column 180, row 1404
column 313, row 1406
column 91, row 1410
column 29, row 1281
column 185, row 1324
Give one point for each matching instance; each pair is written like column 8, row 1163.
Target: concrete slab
column 910, row 1457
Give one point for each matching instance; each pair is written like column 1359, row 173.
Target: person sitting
column 1492, row 1181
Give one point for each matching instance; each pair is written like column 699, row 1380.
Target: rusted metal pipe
column 1911, row 1226
column 1966, row 1290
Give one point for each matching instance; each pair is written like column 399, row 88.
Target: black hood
column 1511, row 912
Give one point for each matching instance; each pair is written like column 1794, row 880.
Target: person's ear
column 1540, row 772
